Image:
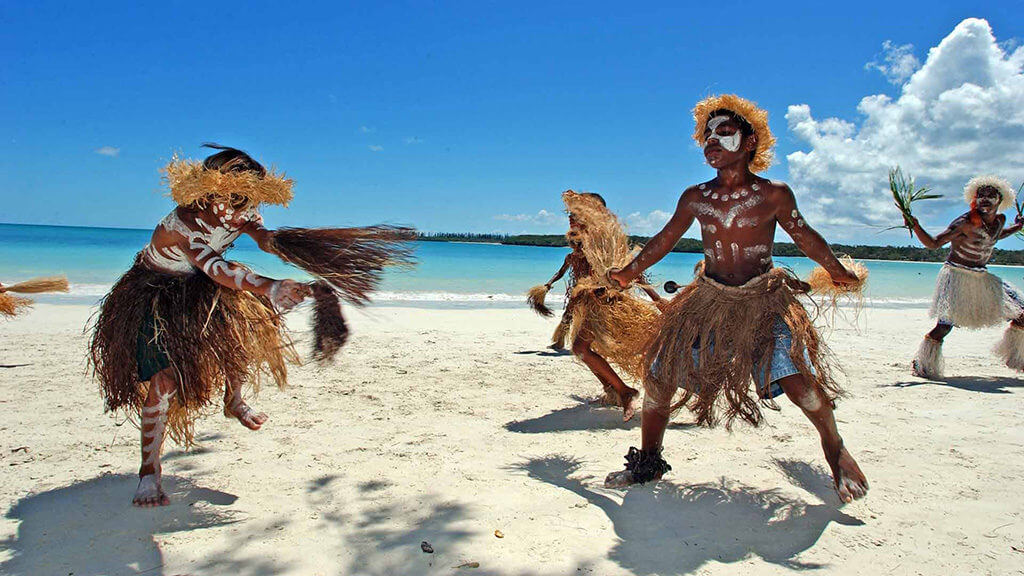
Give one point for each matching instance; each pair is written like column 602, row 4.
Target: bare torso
column 973, row 246
column 737, row 226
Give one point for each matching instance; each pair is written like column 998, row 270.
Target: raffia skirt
column 207, row 335
column 974, row 298
column 713, row 340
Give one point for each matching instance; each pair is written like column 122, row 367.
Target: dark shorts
column 150, row 358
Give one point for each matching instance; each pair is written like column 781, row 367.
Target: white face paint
column 730, row 142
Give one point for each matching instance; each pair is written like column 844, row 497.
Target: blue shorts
column 779, row 367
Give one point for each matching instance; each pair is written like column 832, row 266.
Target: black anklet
column 645, row 466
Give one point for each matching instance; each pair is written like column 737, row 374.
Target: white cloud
column 413, row 140
column 367, row 129
column 897, row 62
column 646, row 224
column 107, row 151
column 542, row 217
column 375, row 148
column 961, row 114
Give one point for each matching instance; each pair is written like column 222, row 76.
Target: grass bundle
column 349, row 260
column 820, row 283
column 602, row 239
column 329, row 328
column 535, row 298
column 904, row 194
column 11, row 305
column 39, row 285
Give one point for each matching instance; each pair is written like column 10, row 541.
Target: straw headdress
column 756, row 117
column 1008, row 196
column 190, row 183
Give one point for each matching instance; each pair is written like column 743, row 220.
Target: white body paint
column 726, row 217
column 730, row 142
column 173, row 259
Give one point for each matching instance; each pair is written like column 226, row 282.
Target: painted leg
column 655, row 421
column 235, row 407
column 928, row 362
column 629, row 397
column 154, row 424
column 850, row 482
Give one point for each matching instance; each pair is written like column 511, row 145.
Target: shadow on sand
column 986, row 384
column 671, row 529
column 546, row 352
column 585, row 415
column 90, row 527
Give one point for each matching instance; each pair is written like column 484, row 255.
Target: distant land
column 858, row 252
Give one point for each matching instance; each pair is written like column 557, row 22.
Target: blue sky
column 454, row 116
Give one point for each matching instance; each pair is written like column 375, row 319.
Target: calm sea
column 446, row 274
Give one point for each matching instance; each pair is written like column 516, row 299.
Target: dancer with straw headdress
column 184, row 324
column 739, row 320
column 967, row 295
column 11, row 305
column 602, row 322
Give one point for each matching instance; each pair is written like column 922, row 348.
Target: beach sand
column 447, row 425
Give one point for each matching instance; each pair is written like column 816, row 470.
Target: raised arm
column 561, row 271
column 263, row 237
column 282, row 293
column 934, row 242
column 1012, row 229
column 807, row 239
column 660, row 245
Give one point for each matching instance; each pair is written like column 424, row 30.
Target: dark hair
column 231, row 160
column 598, row 196
column 745, row 128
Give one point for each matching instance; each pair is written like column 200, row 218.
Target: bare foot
column 850, row 482
column 619, row 479
column 247, row 416
column 630, row 405
column 150, row 494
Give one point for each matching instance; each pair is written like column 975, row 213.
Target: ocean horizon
column 447, row 274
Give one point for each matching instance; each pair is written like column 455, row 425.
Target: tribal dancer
column 740, row 319
column 184, row 324
column 966, row 294
column 602, row 323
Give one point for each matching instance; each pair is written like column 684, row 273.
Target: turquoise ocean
column 446, row 274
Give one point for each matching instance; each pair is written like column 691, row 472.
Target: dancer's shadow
column 984, row 384
column 13, row 365
column 585, row 415
column 547, row 352
column 671, row 529
column 90, row 527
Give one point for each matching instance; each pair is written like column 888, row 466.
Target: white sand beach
column 448, row 425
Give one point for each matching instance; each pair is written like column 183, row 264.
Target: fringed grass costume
column 714, row 340
column 616, row 321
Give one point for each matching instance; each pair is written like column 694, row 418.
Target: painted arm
column 284, row 294
column 658, row 246
column 263, row 237
column 807, row 239
column 560, row 273
column 1012, row 229
column 934, row 242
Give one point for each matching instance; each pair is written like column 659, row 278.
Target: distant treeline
column 859, row 252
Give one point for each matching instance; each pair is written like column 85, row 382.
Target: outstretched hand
column 910, row 221
column 845, row 277
column 618, row 279
column 287, row 294
column 1019, row 220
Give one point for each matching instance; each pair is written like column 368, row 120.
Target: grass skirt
column 207, row 334
column 971, row 298
column 730, row 327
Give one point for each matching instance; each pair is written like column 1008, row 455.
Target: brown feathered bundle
column 191, row 183
column 347, row 263
column 535, row 298
column 602, row 238
column 39, row 285
column 329, row 328
column 11, row 305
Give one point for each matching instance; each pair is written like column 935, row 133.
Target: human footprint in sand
column 967, row 295
column 739, row 321
column 184, row 322
column 594, row 313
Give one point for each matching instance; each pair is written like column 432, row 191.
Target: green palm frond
column 905, row 193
